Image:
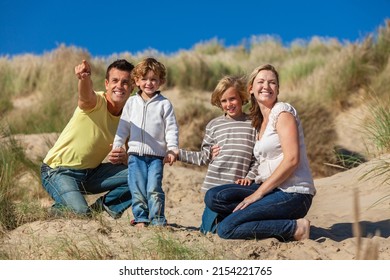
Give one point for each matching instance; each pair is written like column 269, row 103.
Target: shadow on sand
column 342, row 231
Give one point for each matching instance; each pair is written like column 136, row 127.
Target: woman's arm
column 287, row 129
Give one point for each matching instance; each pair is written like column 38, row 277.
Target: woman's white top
column 268, row 152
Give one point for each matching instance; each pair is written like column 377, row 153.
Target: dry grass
column 320, row 136
column 192, row 120
column 103, row 242
column 321, row 78
column 371, row 250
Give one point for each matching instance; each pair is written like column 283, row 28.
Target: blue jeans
column 68, row 186
column 210, row 220
column 274, row 215
column 145, row 182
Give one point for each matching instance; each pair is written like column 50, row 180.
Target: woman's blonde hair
column 238, row 82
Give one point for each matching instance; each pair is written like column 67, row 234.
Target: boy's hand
column 175, row 153
column 117, row 156
column 170, row 157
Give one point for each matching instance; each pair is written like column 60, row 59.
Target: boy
column 149, row 123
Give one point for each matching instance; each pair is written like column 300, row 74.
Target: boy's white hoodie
column 151, row 126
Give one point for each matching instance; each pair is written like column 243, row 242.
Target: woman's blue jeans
column 145, row 182
column 68, row 186
column 274, row 215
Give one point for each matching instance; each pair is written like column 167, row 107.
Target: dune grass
column 324, row 69
column 320, row 77
column 377, row 127
column 157, row 244
column 378, row 123
column 16, row 207
column 192, row 120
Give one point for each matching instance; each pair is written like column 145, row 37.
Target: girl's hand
column 244, row 182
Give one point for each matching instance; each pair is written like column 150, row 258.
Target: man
column 73, row 167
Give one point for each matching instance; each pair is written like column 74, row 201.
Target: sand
column 350, row 220
column 342, row 201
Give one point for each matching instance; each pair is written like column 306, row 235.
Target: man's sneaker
column 98, row 207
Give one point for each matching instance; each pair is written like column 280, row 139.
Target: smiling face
column 148, row 84
column 265, row 88
column 231, row 103
column 118, row 89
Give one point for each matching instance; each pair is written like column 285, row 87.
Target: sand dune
column 343, row 201
column 333, row 215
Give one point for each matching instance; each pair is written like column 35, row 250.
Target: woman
column 275, row 204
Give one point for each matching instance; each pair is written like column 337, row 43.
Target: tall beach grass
column 320, row 77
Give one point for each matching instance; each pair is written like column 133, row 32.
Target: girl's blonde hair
column 238, row 82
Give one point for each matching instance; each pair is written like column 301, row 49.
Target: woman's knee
column 224, row 231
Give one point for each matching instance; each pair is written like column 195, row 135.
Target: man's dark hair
column 120, row 64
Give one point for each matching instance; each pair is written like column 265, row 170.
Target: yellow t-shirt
column 86, row 139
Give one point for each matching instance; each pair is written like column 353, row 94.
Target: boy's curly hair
column 149, row 64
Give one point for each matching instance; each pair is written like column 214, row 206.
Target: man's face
column 118, row 87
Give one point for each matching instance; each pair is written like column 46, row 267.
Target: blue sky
column 107, row 27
